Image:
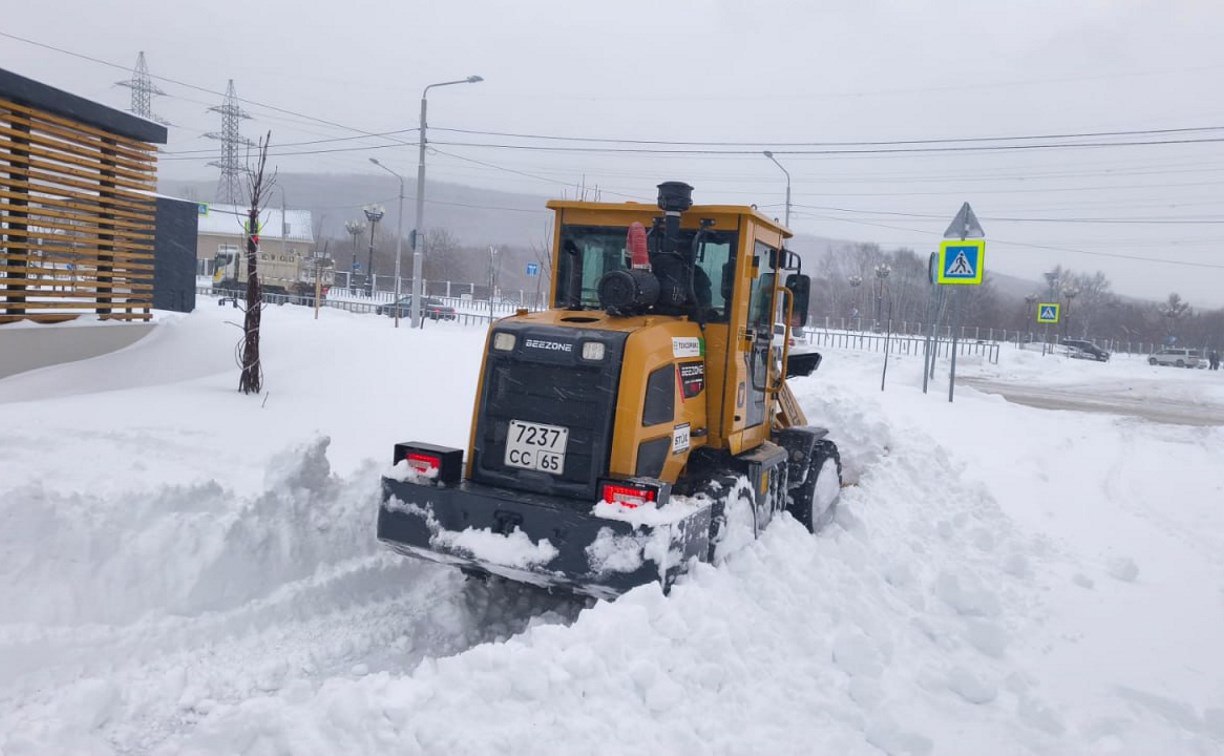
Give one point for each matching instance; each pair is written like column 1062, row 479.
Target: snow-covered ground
column 184, row 569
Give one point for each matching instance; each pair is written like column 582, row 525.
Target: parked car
column 1176, row 356
column 1086, row 350
column 434, row 309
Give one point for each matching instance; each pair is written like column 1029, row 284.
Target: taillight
column 628, row 496
column 424, row 464
column 438, row 463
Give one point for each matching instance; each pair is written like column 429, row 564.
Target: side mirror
column 801, row 289
column 801, row 365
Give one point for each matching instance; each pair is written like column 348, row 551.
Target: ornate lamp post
column 355, row 229
column 1070, row 293
column 855, row 282
column 881, row 271
column 373, row 214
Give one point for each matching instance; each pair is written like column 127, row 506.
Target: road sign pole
column 955, row 337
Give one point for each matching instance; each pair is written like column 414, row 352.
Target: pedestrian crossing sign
column 961, row 261
column 1048, row 312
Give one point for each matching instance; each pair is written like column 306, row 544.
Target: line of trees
column 848, row 282
column 862, row 281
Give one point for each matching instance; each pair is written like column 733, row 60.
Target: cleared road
column 1091, row 398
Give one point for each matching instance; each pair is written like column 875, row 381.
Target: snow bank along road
column 187, row 570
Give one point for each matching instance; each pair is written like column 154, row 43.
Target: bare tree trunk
column 251, row 381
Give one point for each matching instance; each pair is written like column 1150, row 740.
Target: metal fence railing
column 900, row 344
column 909, row 339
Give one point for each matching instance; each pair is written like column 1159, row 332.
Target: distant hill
column 476, row 217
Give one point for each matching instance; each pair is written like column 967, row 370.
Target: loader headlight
column 503, row 342
column 592, row 350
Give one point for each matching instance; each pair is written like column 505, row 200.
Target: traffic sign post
column 961, row 262
column 1048, row 314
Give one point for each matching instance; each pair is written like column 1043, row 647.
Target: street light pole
column 855, row 282
column 417, row 289
column 770, row 155
column 374, row 214
column 399, row 240
column 881, row 271
column 355, row 228
column 1070, row 293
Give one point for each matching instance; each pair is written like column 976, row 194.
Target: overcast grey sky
column 725, row 71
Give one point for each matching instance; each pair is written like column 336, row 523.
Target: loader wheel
column 814, row 502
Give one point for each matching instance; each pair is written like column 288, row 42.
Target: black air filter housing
column 628, row 292
column 675, row 196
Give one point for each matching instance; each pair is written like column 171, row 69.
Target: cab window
column 602, row 248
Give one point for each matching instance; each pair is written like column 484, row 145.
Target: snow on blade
column 514, row 549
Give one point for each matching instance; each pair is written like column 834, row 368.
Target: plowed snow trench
column 185, row 599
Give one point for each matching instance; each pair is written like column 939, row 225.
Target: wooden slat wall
column 76, row 219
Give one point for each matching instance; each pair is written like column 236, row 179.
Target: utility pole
column 143, row 91
column 229, row 188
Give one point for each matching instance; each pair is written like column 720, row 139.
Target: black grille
column 564, row 390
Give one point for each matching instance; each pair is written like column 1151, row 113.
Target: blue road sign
column 1048, row 312
column 961, row 261
column 533, row 269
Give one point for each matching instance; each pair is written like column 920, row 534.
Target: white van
column 1175, row 356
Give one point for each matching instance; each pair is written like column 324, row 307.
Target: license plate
column 535, row 446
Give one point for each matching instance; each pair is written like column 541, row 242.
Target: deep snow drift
column 185, row 569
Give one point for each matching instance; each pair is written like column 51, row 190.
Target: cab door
column 760, row 329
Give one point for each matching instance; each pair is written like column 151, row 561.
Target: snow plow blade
column 536, row 539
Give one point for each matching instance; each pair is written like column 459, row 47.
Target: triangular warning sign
column 960, row 266
column 965, row 225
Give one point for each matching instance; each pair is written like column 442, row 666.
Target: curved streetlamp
column 417, row 292
column 770, row 155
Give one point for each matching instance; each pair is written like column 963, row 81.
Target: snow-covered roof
column 230, row 220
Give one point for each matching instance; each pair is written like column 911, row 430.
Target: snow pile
column 999, row 579
column 859, row 639
column 183, row 549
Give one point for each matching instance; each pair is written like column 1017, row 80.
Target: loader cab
column 741, row 272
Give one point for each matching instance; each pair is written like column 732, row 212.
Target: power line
column 228, row 189
column 177, row 153
column 1005, row 219
column 871, row 151
column 993, row 240
column 196, row 87
column 942, row 140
